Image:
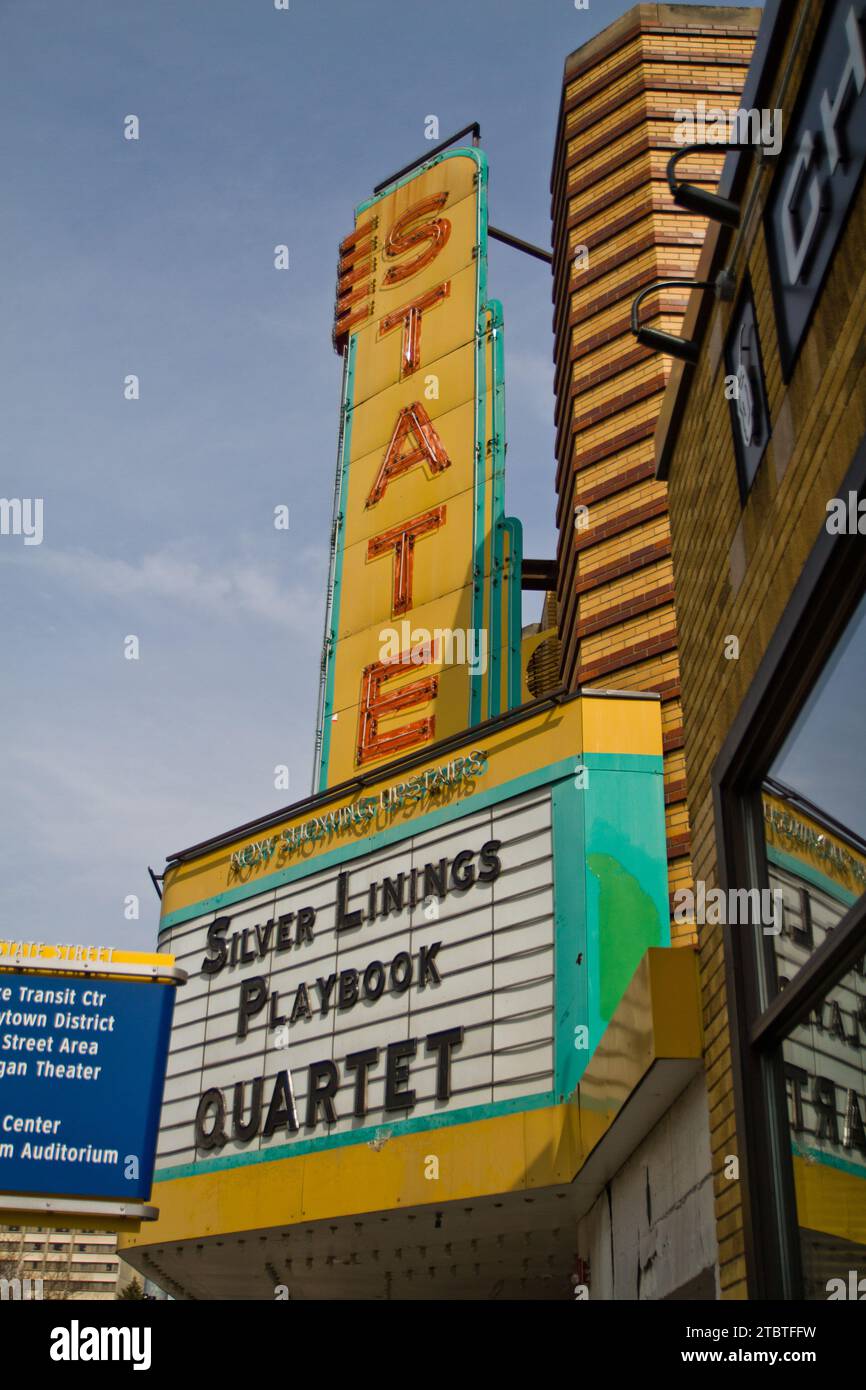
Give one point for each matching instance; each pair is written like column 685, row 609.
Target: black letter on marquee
column 392, row 894
column 824, row 1101
column 490, row 858
column 306, row 918
column 463, row 870
column 324, row 987
column 443, row 1043
column 854, row 1135
column 212, row 965
column 215, row 1137
column 361, row 1062
column 347, row 994
column 241, row 1131
column 345, row 919
column 281, row 1110
column 798, row 1079
column 301, row 1007
column 401, row 983
column 377, row 969
column 254, row 993
column 397, row 1075
column 284, row 935
column 434, row 879
column 263, row 937
column 322, row 1094
column 427, row 965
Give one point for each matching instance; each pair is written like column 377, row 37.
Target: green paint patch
column 629, row 923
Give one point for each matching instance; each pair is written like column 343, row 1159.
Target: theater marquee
column 455, row 965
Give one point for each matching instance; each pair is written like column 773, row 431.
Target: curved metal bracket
column 688, row 195
column 684, row 348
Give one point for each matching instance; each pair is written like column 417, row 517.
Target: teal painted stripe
column 624, row 762
column 515, row 612
column 844, row 1165
column 497, row 544
column 478, row 520
column 813, row 876
column 472, row 151
column 570, row 934
column 468, row 1115
column 338, row 569
column 610, row 828
column 382, row 838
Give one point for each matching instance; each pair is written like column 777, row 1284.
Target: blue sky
column 155, row 257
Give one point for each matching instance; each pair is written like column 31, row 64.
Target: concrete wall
column 651, row 1234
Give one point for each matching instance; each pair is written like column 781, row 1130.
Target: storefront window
column 825, row 1078
column 814, row 805
column 814, row 828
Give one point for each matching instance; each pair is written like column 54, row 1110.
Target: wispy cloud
column 243, row 588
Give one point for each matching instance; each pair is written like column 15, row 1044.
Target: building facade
column 437, row 1041
column 59, row 1264
column 616, row 232
column 432, row 1010
column 761, row 442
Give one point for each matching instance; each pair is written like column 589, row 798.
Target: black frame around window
column 749, row 457
column 822, row 603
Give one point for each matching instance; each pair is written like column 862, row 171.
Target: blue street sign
column 82, row 1069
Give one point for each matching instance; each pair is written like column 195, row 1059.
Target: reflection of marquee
column 824, row 1057
column 812, row 841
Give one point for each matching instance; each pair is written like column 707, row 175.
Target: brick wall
column 616, row 133
column 736, row 566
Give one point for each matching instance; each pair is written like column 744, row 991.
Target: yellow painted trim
column 48, row 955
column 58, row 1222
column 509, row 1153
column 621, row 726
column 830, row 1200
column 604, row 725
column 658, row 1018
column 790, row 845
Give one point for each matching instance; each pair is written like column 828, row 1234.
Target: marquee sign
column 460, row 963
column 423, row 624
column 367, row 813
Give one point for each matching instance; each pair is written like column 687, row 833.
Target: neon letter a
column 415, row 429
